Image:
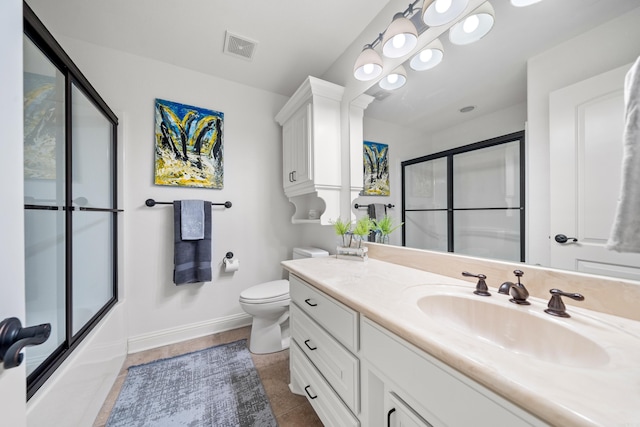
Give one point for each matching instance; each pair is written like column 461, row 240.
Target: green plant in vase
column 385, row 227
column 362, row 229
column 342, row 229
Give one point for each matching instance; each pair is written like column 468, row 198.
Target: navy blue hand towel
column 192, row 258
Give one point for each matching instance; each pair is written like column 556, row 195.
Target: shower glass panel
column 425, row 205
column 426, row 185
column 92, row 265
column 487, row 178
column 426, row 230
column 70, row 186
column 488, row 233
column 468, row 200
column 44, row 191
column 92, row 193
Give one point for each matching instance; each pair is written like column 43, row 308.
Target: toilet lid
column 269, row 290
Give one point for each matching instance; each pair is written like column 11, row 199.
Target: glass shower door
column 44, row 190
column 93, row 252
column 70, row 182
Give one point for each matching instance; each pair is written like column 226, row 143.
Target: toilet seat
column 274, row 291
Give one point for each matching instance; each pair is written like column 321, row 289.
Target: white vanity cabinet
column 311, row 149
column 323, row 360
column 403, row 385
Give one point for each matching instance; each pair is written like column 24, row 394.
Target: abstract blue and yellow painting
column 376, row 169
column 189, row 146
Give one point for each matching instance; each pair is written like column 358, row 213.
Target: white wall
column 603, row 48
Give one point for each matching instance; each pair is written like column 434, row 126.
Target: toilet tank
column 308, row 252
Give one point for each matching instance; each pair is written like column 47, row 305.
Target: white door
column 586, row 125
column 12, row 381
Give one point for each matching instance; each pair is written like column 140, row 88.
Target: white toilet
column 268, row 303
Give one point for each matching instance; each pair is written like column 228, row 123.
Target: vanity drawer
column 339, row 367
column 330, row 409
column 338, row 319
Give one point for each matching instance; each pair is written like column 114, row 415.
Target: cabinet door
column 296, row 137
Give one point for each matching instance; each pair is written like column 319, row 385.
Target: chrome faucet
column 517, row 291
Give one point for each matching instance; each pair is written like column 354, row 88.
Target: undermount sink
column 520, row 329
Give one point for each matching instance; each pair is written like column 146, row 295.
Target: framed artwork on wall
column 189, row 146
column 376, row 169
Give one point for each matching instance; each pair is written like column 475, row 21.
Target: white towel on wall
column 625, row 234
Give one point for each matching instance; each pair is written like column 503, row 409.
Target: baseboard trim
column 187, row 332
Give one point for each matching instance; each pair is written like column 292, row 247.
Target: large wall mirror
column 544, row 68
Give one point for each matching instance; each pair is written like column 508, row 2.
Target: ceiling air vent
column 239, row 46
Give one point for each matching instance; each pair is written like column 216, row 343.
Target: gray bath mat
column 218, row 386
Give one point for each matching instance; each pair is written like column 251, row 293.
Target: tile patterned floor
column 289, row 409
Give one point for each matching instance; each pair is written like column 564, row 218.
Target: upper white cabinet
column 296, row 143
column 312, row 161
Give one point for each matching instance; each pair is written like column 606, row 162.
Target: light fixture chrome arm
column 408, row 12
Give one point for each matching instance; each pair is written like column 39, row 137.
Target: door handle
column 13, row 338
column 561, row 238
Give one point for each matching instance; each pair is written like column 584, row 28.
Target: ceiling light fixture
column 368, row 66
column 473, row 27
column 441, row 12
column 400, row 36
column 428, row 57
column 394, row 80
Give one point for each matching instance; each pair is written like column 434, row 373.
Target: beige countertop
column 562, row 394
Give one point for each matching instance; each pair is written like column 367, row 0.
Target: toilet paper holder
column 230, row 264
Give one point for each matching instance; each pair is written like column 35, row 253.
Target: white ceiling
column 297, row 38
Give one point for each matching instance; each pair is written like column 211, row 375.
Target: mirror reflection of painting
column 40, row 128
column 376, row 169
column 189, row 146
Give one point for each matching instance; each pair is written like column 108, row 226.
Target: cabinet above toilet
column 311, row 141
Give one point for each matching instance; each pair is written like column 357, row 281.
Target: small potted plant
column 343, row 229
column 360, row 230
column 384, row 227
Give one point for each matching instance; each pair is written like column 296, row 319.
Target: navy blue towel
column 191, row 258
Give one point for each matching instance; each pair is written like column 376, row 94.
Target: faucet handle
column 481, row 286
column 556, row 306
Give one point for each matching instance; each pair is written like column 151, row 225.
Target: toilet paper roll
column 231, row 265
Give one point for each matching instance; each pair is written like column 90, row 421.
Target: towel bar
column 151, row 203
column 357, row 206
